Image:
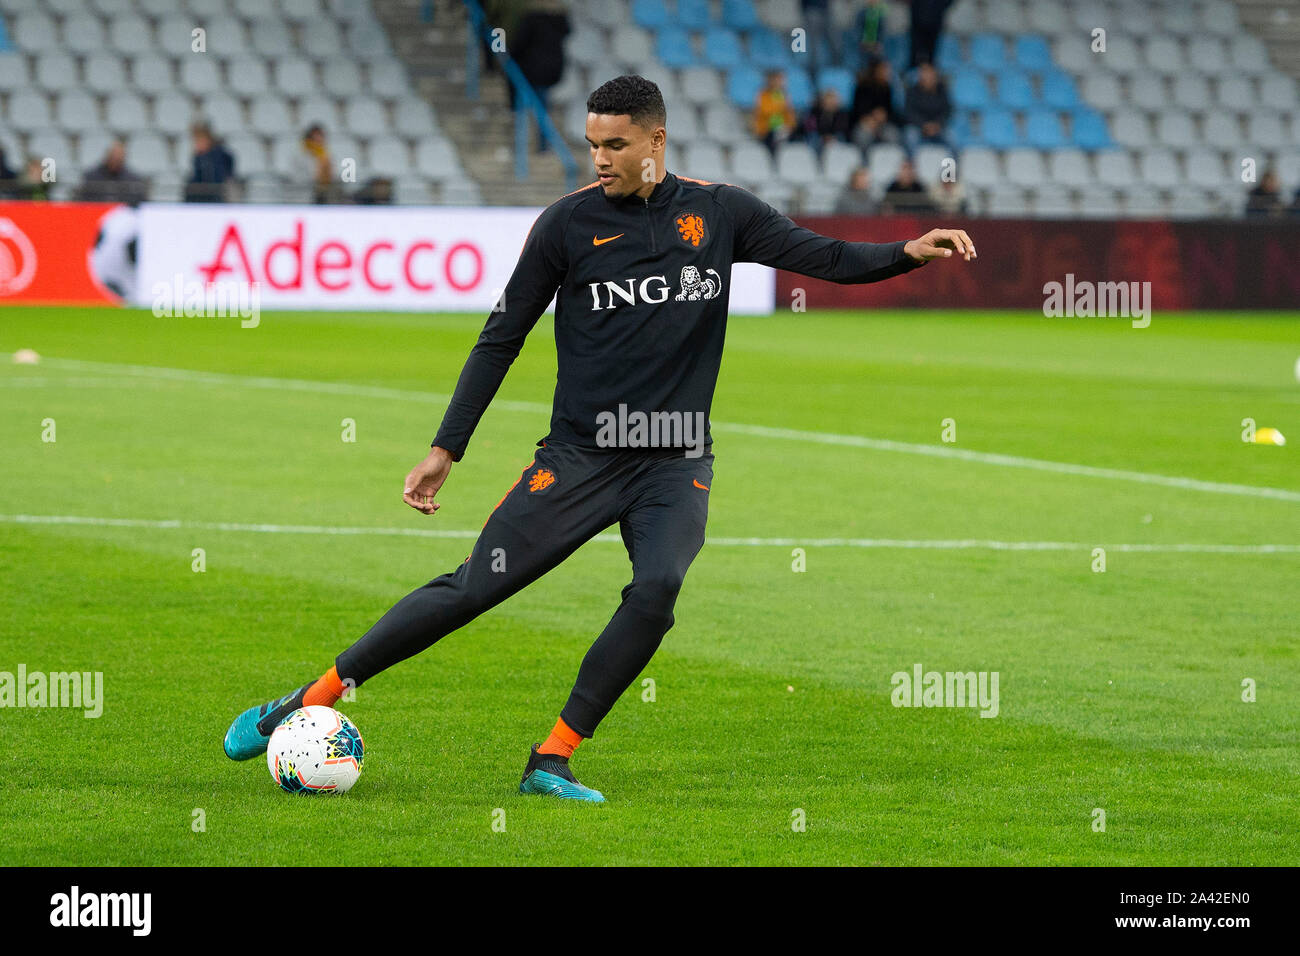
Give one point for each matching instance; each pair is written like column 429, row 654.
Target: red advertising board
column 1241, row 264
column 46, row 252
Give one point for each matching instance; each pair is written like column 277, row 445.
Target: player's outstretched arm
column 766, row 236
column 425, row 480
column 941, row 244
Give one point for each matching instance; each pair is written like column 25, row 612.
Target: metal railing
column 528, row 105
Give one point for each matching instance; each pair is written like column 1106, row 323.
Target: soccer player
column 640, row 262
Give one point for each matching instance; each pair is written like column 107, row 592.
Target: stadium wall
column 1190, row 265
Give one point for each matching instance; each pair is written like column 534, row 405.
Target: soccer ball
column 315, row 750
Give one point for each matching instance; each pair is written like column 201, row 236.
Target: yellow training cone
column 1269, row 436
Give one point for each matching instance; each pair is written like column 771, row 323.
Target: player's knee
column 656, row 592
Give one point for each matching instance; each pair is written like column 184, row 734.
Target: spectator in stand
column 927, row 24
column 856, row 199
column 948, row 197
column 927, row 109
column 5, row 171
column 823, row 44
column 317, row 168
column 213, row 167
column 32, row 184
column 111, row 180
column 905, row 193
column 825, row 121
column 774, row 119
column 537, row 46
column 869, row 29
column 1266, row 198
column 874, row 118
column 378, row 191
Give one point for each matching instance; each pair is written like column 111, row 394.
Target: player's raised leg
column 559, row 502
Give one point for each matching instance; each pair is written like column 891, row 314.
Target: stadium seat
column 125, row 112
column 743, row 86
column 970, row 91
column 769, row 50
column 988, row 52
column 1205, row 168
column 1043, row 129
column 929, row 160
column 632, row 48
column 1192, row 92
column 130, row 35
column 674, row 48
column 56, row 72
column 387, row 156
column 104, row 73
column 1131, row 129
column 1116, row 168
column 839, row 160
column 796, row 163
column 222, row 111
column 75, row 111
column 704, row 160
column 342, row 79
column 249, row 153
column 1236, row 93
column 884, row 160
column 83, row 35
column 270, row 115
column 702, row 85
column 173, row 111
column 29, row 111
column 295, row 76
column 800, row 89
column 723, row 48
column 319, row 109
column 1025, row 167
column 751, row 163
column 740, row 15
column 1058, row 91
column 693, row 14
column 1015, row 91
column 14, row 74
column 200, row 75
column 1159, row 167
column 152, row 74
column 724, row 123
column 998, row 129
column 270, row 38
column 651, row 14
column 1070, row 167
column 413, row 117
column 1033, row 53
column 1164, row 56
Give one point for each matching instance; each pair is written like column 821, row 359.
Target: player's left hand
column 941, row 244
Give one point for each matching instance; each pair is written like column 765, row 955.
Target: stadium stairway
column 483, row 130
column 1277, row 23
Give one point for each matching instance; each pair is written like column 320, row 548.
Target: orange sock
column 563, row 741
column 326, row 691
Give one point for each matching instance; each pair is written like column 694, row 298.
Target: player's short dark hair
column 634, row 95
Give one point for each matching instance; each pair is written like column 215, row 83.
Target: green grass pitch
column 1120, row 690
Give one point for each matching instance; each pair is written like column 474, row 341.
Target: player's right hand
column 425, row 479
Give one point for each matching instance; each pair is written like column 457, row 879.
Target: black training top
column 642, row 306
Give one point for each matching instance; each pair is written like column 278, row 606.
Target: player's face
column 623, row 154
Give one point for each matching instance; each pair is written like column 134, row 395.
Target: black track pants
column 659, row 499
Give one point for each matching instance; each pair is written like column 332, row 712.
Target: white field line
column 760, row 431
column 962, row 544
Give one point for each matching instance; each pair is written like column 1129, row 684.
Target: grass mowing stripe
column 961, row 544
column 760, row 431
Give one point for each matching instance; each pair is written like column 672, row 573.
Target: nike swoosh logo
column 601, row 242
column 698, row 485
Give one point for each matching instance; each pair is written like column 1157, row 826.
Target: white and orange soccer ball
column 315, row 750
